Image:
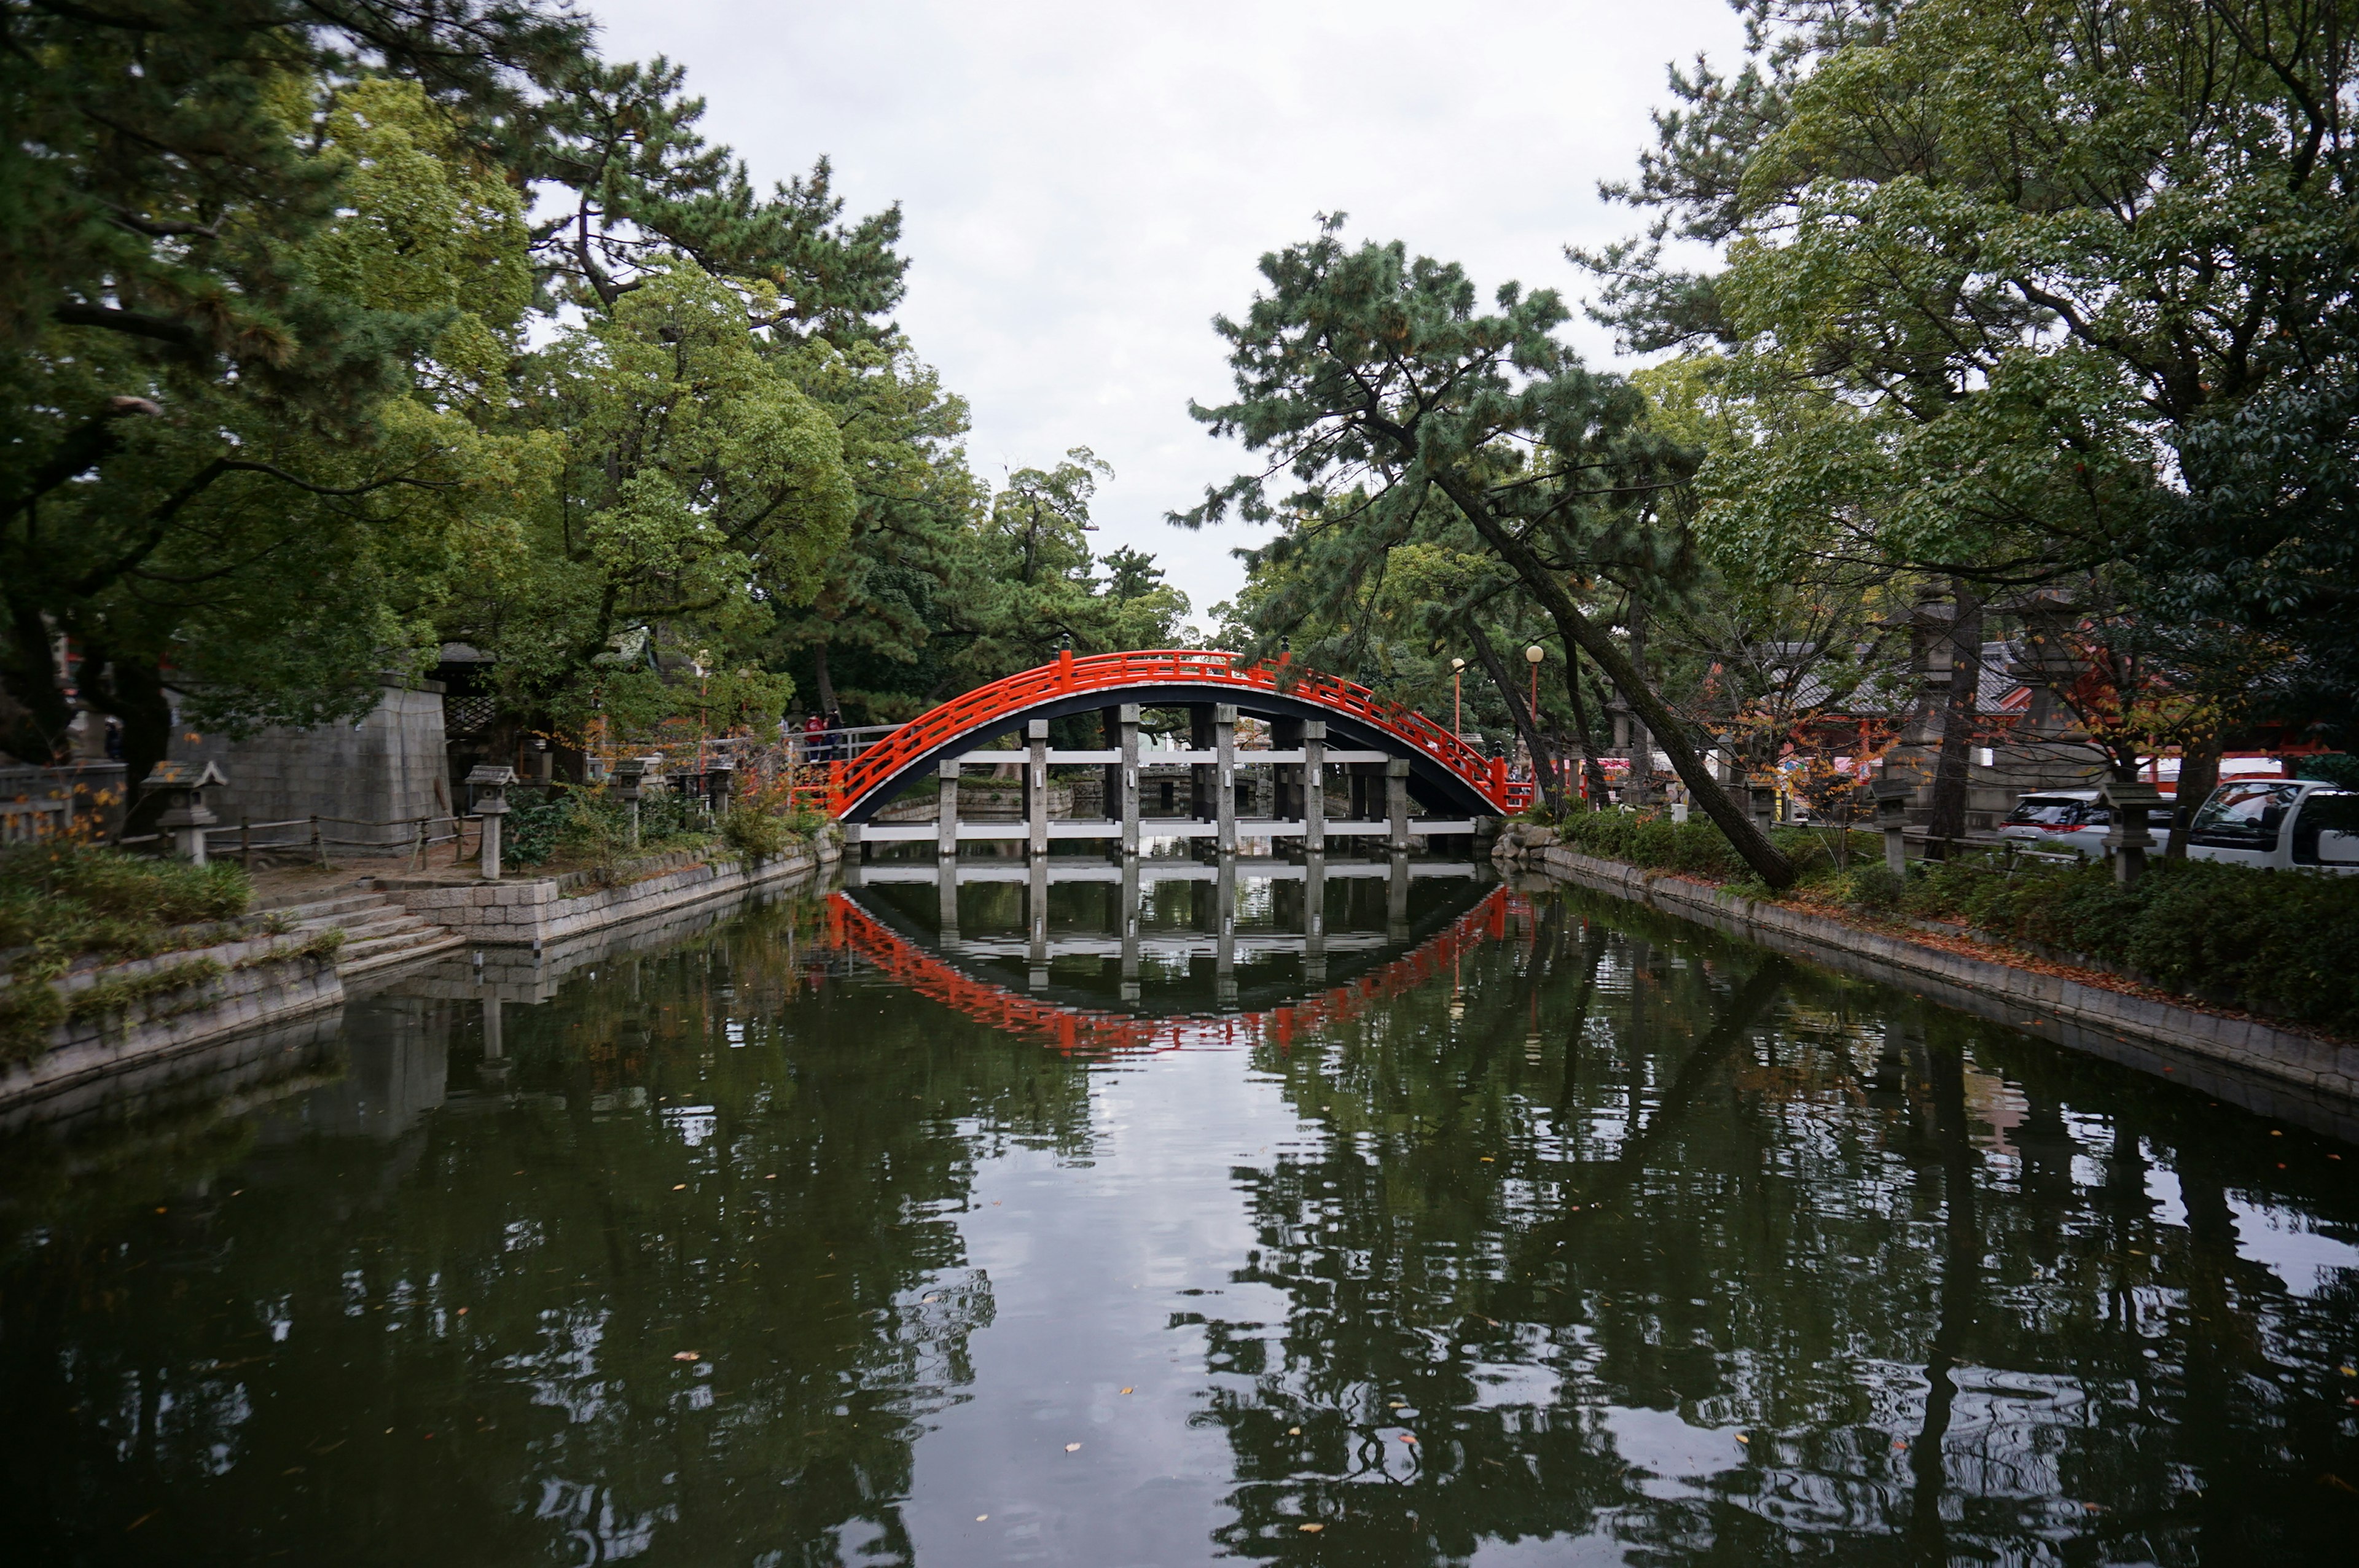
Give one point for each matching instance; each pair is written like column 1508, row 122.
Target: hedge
column 2282, row 943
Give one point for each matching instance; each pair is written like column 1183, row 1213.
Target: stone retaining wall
column 260, row 988
column 527, row 911
column 2067, row 1010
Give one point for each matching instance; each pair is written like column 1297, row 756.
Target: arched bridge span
column 1444, row 769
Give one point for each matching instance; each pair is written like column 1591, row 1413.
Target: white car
column 2071, row 819
column 2282, row 824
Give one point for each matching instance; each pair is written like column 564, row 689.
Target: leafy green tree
column 2081, row 274
column 1373, row 380
column 244, row 464
column 700, row 491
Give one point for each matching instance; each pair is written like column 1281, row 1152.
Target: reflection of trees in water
column 825, row 1134
column 1761, row 1200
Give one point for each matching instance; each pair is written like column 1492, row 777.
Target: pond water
column 1372, row 1218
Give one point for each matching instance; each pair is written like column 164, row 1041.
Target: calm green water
column 1511, row 1228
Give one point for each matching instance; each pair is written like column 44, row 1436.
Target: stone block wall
column 529, row 911
column 389, row 769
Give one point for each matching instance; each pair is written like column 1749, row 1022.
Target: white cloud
column 1085, row 186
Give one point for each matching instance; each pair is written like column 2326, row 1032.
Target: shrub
column 2280, row 942
column 750, row 830
column 1871, row 889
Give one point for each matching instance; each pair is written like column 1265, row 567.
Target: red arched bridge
column 1392, row 756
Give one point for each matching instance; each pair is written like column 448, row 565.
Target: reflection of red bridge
column 1071, row 1028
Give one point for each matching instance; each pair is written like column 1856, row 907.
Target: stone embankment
column 280, row 964
column 2058, row 1007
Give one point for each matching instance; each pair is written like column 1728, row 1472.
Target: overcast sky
column 1085, row 185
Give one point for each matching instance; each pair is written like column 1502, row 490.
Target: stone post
column 186, row 815
column 1224, row 778
column 1314, row 786
column 488, row 785
column 2127, row 840
column 1765, row 807
column 1396, row 804
column 1314, row 919
column 1036, row 787
column 1129, row 916
column 946, row 814
column 630, row 783
column 946, row 887
column 1397, row 900
column 1128, row 788
column 1892, row 798
column 1037, row 914
column 1224, row 943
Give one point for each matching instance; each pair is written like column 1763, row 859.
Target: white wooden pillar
column 1036, row 787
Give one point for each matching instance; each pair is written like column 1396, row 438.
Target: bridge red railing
column 849, row 782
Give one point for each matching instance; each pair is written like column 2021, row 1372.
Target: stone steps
column 378, row 932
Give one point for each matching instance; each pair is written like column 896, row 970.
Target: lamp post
column 2127, row 839
column 185, row 816
column 1892, row 796
column 630, row 778
column 489, row 784
column 1457, row 708
column 1532, row 657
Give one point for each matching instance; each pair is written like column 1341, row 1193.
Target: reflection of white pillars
column 946, row 818
column 1397, row 901
column 491, row 1047
column 1036, row 911
column 1129, row 916
column 1314, row 919
column 1036, row 788
column 1224, row 910
column 1224, row 777
column 947, row 882
column 1128, row 768
column 1396, row 804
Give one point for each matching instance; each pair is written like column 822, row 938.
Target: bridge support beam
column 1397, row 900
column 1314, row 786
column 1224, row 771
column 1396, row 804
column 1127, row 773
column 1036, row 787
column 946, row 819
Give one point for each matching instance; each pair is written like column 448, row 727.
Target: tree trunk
column 29, row 673
column 2199, row 775
column 1525, row 722
column 819, row 677
column 1670, row 733
column 1593, row 772
column 1951, row 772
column 1642, row 738
column 133, row 691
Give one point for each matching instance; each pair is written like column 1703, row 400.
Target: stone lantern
column 185, row 816
column 2127, row 839
column 720, row 781
column 630, row 778
column 1892, row 796
column 488, row 786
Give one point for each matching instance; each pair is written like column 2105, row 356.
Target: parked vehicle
column 2284, row 824
column 2073, row 819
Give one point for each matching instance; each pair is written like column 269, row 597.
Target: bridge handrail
column 1111, row 672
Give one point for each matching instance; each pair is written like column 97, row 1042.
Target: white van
column 2073, row 819
column 2287, row 824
